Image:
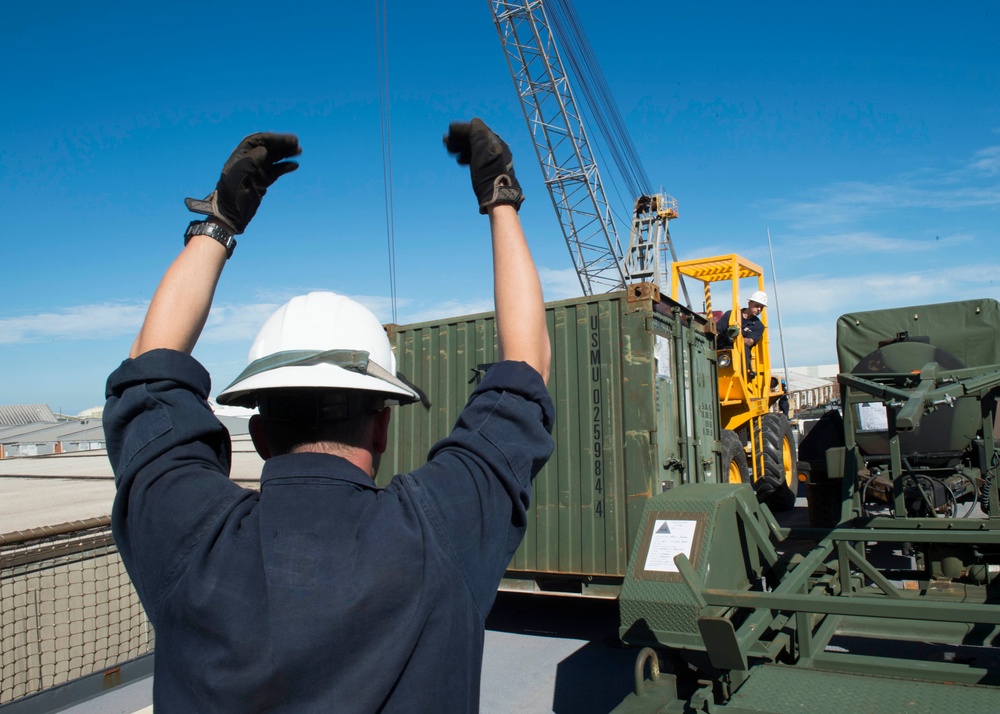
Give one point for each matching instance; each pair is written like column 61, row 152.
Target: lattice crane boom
column 569, row 170
column 561, row 145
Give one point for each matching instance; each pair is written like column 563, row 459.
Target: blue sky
column 865, row 136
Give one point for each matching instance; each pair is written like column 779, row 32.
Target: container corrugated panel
column 634, row 386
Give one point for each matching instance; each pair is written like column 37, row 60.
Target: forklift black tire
column 783, row 499
column 778, row 483
column 734, row 459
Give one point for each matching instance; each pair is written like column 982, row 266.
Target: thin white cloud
column 847, row 202
column 446, row 309
column 808, row 296
column 811, row 304
column 381, row 305
column 100, row 321
column 227, row 322
column 236, row 323
column 96, row 321
column 556, row 285
column 868, row 242
column 809, row 344
column 240, row 323
column 987, row 161
column 560, row 284
column 696, row 246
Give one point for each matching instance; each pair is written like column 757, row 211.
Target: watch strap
column 212, row 230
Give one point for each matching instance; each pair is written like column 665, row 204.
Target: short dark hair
column 294, row 418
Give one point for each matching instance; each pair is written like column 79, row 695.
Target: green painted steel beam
column 908, row 668
column 856, row 605
column 956, row 534
column 965, row 633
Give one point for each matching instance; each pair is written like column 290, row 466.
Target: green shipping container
column 634, row 383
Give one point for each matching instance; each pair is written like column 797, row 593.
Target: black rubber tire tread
column 732, row 451
column 773, row 485
column 824, row 503
column 782, row 498
column 777, row 429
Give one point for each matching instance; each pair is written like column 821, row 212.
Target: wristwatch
column 212, row 230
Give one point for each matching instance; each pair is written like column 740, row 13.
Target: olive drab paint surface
column 634, row 383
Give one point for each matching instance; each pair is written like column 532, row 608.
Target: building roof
column 798, row 382
column 44, row 432
column 15, row 414
column 246, row 464
column 40, row 432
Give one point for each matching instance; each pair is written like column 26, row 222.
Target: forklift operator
column 752, row 328
column 322, row 592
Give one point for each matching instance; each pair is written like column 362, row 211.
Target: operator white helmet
column 759, row 297
column 323, row 341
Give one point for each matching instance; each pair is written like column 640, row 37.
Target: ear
column 258, row 437
column 380, row 431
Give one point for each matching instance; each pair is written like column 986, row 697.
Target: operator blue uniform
column 752, row 328
column 290, row 598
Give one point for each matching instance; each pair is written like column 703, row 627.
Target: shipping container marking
column 598, row 420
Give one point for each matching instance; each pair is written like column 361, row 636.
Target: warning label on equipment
column 669, row 538
column 872, row 417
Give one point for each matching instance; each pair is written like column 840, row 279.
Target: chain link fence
column 67, row 607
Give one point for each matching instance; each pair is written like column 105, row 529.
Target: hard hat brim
column 323, row 376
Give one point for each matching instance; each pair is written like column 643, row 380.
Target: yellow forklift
column 757, row 443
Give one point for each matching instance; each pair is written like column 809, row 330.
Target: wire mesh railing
column 67, row 607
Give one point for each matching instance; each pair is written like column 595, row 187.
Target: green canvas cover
column 968, row 329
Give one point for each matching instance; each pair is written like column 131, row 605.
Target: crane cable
column 604, row 112
column 598, row 98
column 382, row 34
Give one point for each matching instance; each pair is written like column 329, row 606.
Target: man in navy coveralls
column 322, row 592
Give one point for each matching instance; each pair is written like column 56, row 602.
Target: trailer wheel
column 777, row 484
column 734, row 459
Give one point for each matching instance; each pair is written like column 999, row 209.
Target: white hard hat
column 324, row 341
column 759, row 297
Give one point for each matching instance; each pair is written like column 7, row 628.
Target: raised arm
column 517, row 292
column 180, row 306
column 520, row 310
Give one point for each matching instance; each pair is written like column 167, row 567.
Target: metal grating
column 773, row 688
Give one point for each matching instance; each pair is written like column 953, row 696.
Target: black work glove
column 490, row 163
column 249, row 171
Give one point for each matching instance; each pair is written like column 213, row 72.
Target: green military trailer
column 890, row 600
column 634, row 384
column 931, row 364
